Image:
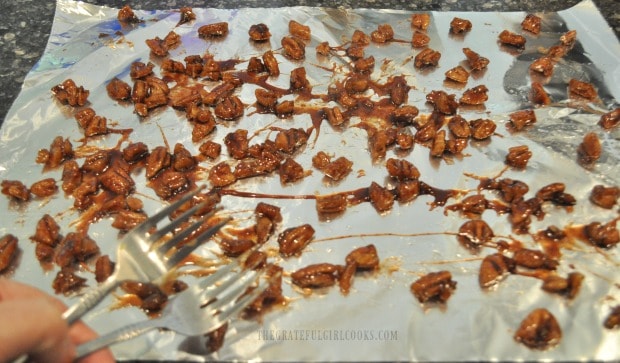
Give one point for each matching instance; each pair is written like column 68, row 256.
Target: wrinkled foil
column 380, row 319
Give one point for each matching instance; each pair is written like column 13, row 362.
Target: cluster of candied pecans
column 103, row 185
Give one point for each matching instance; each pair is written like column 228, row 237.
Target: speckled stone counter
column 25, row 24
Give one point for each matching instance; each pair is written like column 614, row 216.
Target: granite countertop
column 25, row 24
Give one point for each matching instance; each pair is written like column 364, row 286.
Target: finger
column 34, row 327
column 13, row 290
column 81, row 333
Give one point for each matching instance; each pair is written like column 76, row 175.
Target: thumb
column 34, row 327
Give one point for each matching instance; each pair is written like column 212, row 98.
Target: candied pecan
column 268, row 210
column 338, row 169
column 118, row 90
column 160, row 47
column 221, row 175
column 117, row 180
column 186, row 15
column 356, row 84
column 383, row 34
column 75, row 247
column 579, row 89
column 381, row 198
column 610, row 119
column 140, row 70
column 602, row 235
column 83, row 193
column 459, row 26
column 590, row 149
column 402, row 169
column 605, row 197
column 345, row 279
column 533, row 259
column 8, row 251
column 104, row 268
column 44, row 188
column 299, row 30
column 290, row 171
column 522, row 118
column 152, row 298
column 169, row 183
column 259, row 32
column 438, row 146
column 457, row 74
column 475, row 61
column 230, row 108
column 255, row 65
column 126, row 220
column 482, row 128
column 16, row 190
column 474, row 204
column 67, row 282
column 404, row 138
column 507, row 37
column 427, row 58
column 47, row 231
column 210, row 149
column 68, row 93
column 237, row 143
column 127, row 15
column 298, row 80
column 294, row 48
column 398, row 90
column 317, row 275
column 442, row 102
column 474, row 233
column 493, row 269
column 71, row 176
column 44, row 253
column 271, row 63
column 475, row 96
column 290, row 140
column 158, row 160
column 543, row 65
column 531, row 23
column 565, row 286
column 518, row 156
column 434, row 286
column 355, row 51
column 235, row 247
column 554, row 193
column 334, row 116
column 331, row 204
column 293, row 240
column 538, row 95
column 266, row 99
column 420, row 21
column 459, row 127
column 285, row 108
column 364, row 65
column 364, row 258
column 569, row 38
column 218, row 93
column 135, row 152
column 512, row 190
column 172, row 66
column 360, row 38
column 213, row 30
column 420, row 39
column 612, row 321
column 539, row 330
column 407, row 190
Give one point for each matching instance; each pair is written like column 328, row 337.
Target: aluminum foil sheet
column 380, row 319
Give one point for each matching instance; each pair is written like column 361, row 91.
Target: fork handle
column 120, row 335
column 89, row 300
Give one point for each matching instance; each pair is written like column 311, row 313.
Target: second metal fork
column 202, row 308
column 139, row 258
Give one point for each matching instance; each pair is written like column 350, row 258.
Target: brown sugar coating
column 539, row 330
column 435, row 286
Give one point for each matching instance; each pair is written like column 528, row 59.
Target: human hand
column 32, row 325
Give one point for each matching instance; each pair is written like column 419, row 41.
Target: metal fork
column 202, row 308
column 139, row 257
